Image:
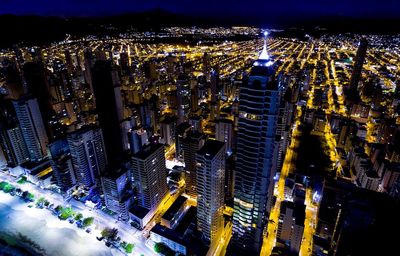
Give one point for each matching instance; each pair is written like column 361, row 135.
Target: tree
column 87, row 222
column 66, row 213
column 8, row 188
column 129, row 248
column 110, row 233
column 58, row 208
column 40, row 201
column 30, row 197
column 78, row 216
column 25, row 194
column 3, row 184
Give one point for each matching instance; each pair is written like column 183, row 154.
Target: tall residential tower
column 256, row 153
column 210, row 189
column 88, row 155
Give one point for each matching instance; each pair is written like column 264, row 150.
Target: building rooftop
column 286, row 205
column 139, row 211
column 299, row 214
column 36, row 167
column 167, row 119
column 168, row 233
column 183, row 127
column 372, row 174
column 170, row 213
column 82, row 130
column 114, row 173
column 211, row 148
column 195, row 135
column 185, row 222
column 147, row 151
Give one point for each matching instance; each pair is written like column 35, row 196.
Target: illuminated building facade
column 210, row 189
column 256, row 153
column 88, row 155
column 149, row 175
column 32, row 127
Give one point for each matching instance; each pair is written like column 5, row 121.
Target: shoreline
column 12, row 245
column 39, row 232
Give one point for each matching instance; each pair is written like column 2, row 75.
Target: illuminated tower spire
column 264, row 54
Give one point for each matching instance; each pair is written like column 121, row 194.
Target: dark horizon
column 225, row 8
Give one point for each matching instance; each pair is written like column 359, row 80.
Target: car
column 79, row 224
column 88, row 230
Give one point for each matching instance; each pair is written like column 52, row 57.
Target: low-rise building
column 174, row 213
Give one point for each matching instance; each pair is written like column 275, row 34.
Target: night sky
column 219, row 8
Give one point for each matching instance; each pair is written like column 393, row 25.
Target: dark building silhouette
column 109, row 108
column 37, row 85
column 358, row 64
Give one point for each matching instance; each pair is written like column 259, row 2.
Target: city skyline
column 126, row 136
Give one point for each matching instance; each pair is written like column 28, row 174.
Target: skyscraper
column 191, row 144
column 38, row 86
column 224, row 132
column 32, row 127
column 358, row 64
column 109, row 108
column 291, row 224
column 88, row 155
column 214, row 85
column 61, row 164
column 168, row 129
column 117, row 192
column 11, row 140
column 258, row 114
column 149, row 174
column 183, row 97
column 210, row 161
column 137, row 139
column 182, row 130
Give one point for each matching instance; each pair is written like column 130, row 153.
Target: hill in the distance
column 42, row 29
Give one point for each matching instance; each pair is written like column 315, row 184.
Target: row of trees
column 11, row 189
column 64, row 213
column 111, row 234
